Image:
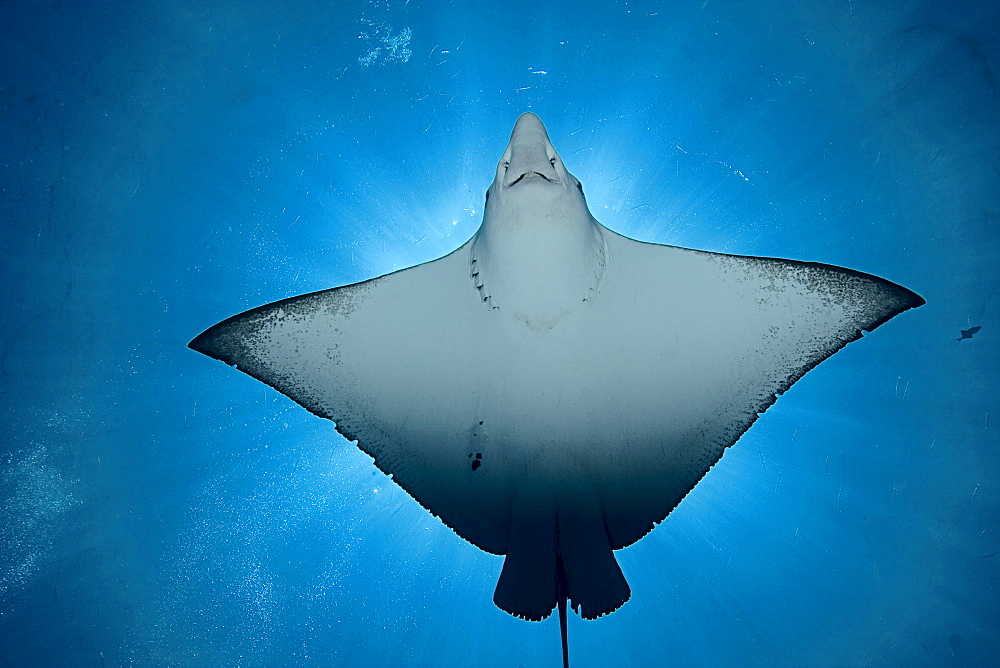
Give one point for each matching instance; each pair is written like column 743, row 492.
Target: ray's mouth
column 530, row 175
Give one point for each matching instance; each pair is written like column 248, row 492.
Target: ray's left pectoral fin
column 868, row 300
column 721, row 337
column 801, row 313
column 774, row 303
column 824, row 307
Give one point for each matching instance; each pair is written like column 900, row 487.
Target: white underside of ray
column 554, row 395
column 629, row 398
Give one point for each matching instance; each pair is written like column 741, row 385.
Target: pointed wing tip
column 206, row 343
column 906, row 300
column 200, row 343
column 913, row 300
column 896, row 299
column 224, row 341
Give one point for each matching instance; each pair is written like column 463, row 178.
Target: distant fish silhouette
column 968, row 333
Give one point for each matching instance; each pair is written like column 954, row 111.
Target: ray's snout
column 530, row 154
column 529, row 123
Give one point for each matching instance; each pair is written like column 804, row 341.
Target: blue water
column 166, row 165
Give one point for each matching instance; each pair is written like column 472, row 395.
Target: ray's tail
column 561, row 601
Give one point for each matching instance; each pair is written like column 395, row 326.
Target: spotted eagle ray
column 551, row 390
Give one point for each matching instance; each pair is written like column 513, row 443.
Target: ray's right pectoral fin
column 290, row 344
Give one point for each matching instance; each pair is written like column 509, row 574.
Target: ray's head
column 531, row 179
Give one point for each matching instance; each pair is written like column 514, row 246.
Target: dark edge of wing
column 904, row 300
column 220, row 342
column 203, row 343
column 908, row 299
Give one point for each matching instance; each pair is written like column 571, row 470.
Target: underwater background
column 166, row 165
